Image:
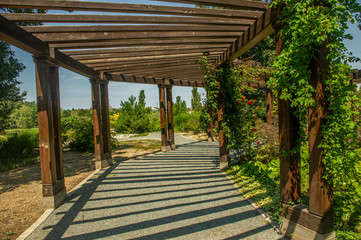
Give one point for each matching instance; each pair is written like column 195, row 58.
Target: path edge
column 47, row 212
column 262, row 212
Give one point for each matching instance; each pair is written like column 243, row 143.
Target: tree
column 141, row 98
column 10, row 68
column 133, row 116
column 10, row 96
column 26, row 116
column 180, row 106
column 196, row 99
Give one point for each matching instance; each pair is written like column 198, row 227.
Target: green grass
column 262, row 190
column 18, row 131
column 139, row 135
column 139, row 144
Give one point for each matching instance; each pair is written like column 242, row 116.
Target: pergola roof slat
column 127, row 8
column 152, row 42
column 109, row 36
column 71, row 18
column 234, row 4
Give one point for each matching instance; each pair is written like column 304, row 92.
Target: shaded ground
column 178, row 194
column 21, row 191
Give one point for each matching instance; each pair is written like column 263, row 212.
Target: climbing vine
column 307, row 27
column 240, row 103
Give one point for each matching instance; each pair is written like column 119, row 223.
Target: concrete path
column 175, row 195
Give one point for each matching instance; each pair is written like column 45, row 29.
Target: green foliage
column 187, row 122
column 16, row 146
column 180, row 106
column 25, row 117
column 78, row 133
column 134, row 117
column 264, row 52
column 196, row 100
column 309, row 27
column 10, row 96
column 240, row 103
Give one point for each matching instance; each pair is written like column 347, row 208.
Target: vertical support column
column 321, row 189
column 107, row 148
column 289, row 125
column 224, row 160
column 97, row 126
column 51, row 157
column 162, row 111
column 170, row 118
column 210, row 132
column 269, row 105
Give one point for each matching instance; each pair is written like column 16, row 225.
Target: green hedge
column 17, row 146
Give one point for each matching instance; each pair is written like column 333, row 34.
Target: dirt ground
column 21, row 190
column 198, row 136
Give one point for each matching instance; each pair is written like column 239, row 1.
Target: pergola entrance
column 154, row 45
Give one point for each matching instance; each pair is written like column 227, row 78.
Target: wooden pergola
column 151, row 44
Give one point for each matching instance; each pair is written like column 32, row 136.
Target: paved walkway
column 175, row 195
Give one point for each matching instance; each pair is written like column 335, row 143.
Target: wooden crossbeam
column 148, row 80
column 260, row 29
column 233, row 4
column 150, row 61
column 136, row 66
column 144, row 54
column 134, row 28
column 129, row 36
column 18, row 37
column 170, row 57
column 140, row 42
column 71, row 18
column 148, row 49
column 127, row 8
column 146, row 65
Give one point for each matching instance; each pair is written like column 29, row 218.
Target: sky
column 75, row 89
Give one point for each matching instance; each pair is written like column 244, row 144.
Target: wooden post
column 50, row 145
column 165, row 146
column 210, row 132
column 107, row 148
column 224, row 160
column 321, row 190
column 269, row 105
column 289, row 125
column 170, row 118
column 100, row 160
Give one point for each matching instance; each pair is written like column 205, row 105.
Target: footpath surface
column 174, row 195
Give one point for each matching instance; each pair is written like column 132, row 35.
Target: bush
column 16, row 147
column 188, row 122
column 78, row 133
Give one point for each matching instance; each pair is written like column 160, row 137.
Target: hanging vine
column 307, row 26
column 241, row 103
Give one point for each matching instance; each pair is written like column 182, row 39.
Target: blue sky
column 75, row 89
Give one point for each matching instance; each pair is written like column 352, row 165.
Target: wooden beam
column 140, row 42
column 12, row 34
column 128, row 36
column 260, row 29
column 71, row 18
column 18, row 37
column 144, row 54
column 141, row 58
column 126, row 8
column 145, row 80
column 146, row 49
column 233, row 4
column 133, row 28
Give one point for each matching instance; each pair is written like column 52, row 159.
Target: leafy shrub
column 78, row 133
column 16, row 147
column 188, row 122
